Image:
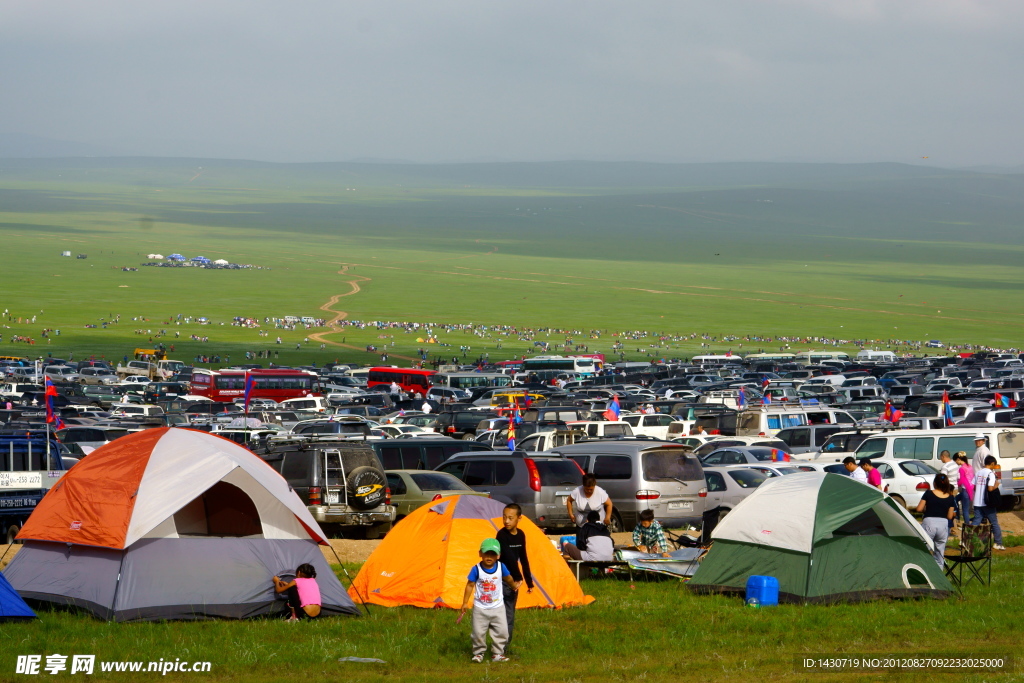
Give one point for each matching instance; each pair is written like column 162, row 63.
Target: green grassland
column 655, row 631
column 839, row 251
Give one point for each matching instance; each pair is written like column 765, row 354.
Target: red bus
column 509, row 366
column 227, row 385
column 410, row 379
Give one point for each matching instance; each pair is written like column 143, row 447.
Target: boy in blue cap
column 483, row 594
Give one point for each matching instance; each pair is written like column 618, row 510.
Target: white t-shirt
column 860, row 475
column 581, row 505
column 952, row 472
column 982, row 480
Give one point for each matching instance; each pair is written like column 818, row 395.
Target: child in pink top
column 303, row 593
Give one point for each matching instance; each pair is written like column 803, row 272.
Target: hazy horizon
column 931, row 82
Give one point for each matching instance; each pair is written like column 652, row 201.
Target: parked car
column 728, row 486
column 460, row 424
column 91, row 437
column 97, row 375
column 716, row 442
column 412, row 489
column 655, row 425
column 639, row 474
column 807, row 439
column 537, row 482
column 342, row 484
column 742, row 455
column 422, row 453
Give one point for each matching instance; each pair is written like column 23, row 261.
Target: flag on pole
column 896, row 415
column 612, row 411
column 887, row 415
column 49, row 392
column 511, row 435
column 947, row 410
column 765, row 382
column 779, row 456
column 741, row 399
column 766, row 399
column 249, row 382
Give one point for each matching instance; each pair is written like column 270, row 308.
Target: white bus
column 712, row 360
column 470, row 380
column 584, row 366
column 816, row 357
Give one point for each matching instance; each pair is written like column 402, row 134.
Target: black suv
column 342, row 484
column 461, row 424
column 420, row 453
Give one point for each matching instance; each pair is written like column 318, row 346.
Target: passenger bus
column 509, row 367
column 470, row 380
column 227, row 385
column 411, row 380
column 816, row 357
column 712, row 360
column 751, row 358
column 585, row 366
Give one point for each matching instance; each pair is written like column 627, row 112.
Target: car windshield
column 438, row 481
column 748, row 479
column 671, row 465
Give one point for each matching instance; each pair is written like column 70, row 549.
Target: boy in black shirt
column 513, row 552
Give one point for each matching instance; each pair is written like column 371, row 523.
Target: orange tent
column 425, row 558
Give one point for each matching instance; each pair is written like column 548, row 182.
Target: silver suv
column 538, row 482
column 641, row 474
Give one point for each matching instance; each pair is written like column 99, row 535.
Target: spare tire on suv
column 366, row 488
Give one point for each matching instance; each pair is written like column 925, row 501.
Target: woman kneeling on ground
column 303, row 593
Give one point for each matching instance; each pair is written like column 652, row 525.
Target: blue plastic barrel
column 762, row 591
column 566, row 539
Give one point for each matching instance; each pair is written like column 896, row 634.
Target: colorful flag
column 511, row 436
column 765, row 382
column 517, row 417
column 1004, row 401
column 779, row 456
column 741, row 399
column 249, row 382
column 49, row 393
column 947, row 410
column 526, row 399
column 896, row 415
column 887, row 415
column 766, row 399
column 612, row 411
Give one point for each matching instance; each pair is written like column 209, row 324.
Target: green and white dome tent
column 826, row 538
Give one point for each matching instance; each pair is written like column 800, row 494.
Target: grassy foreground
column 645, row 631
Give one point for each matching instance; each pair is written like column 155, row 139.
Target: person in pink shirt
column 966, row 486
column 874, row 476
column 303, row 593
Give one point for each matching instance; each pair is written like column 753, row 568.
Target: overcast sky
column 451, row 80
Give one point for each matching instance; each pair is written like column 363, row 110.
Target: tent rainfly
column 221, row 262
column 170, row 523
column 826, row 538
column 424, row 560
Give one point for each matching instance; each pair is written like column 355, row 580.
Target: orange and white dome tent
column 425, row 559
column 170, row 523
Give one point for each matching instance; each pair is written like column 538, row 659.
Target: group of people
column 964, row 489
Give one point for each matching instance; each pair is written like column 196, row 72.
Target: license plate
column 1018, row 474
column 680, row 506
column 331, row 498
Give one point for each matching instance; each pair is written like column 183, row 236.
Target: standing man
column 981, row 452
column 985, row 483
column 855, row 471
column 874, row 476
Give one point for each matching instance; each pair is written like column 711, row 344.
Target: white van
column 825, row 380
column 135, row 410
column 317, row 404
column 1006, row 443
column 602, row 429
column 770, row 420
column 877, row 356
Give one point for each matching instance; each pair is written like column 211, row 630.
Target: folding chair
column 974, row 554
